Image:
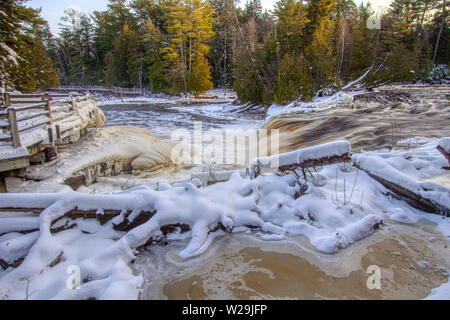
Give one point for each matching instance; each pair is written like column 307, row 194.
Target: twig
column 354, row 184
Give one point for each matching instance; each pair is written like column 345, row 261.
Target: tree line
column 179, row 47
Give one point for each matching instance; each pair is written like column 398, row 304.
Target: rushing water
column 162, row 119
column 374, row 120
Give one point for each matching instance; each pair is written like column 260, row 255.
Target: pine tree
column 401, row 65
column 320, row 51
column 199, row 77
column 77, row 52
column 293, row 80
column 153, row 42
column 24, row 62
column 109, row 26
column 291, row 21
column 223, row 44
column 189, row 25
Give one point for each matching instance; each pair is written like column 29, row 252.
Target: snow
column 14, row 246
column 7, row 152
column 12, row 55
column 440, row 293
column 444, row 143
column 144, row 100
column 266, row 202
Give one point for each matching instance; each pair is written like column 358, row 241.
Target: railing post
column 48, row 107
column 14, row 127
column 7, row 100
column 50, row 135
column 2, row 184
column 58, row 133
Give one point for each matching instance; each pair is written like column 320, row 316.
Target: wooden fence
column 12, row 117
column 98, row 90
column 9, row 99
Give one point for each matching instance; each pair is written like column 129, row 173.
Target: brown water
column 261, row 273
column 374, row 120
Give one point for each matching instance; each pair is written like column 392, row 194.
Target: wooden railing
column 116, row 91
column 13, row 116
column 8, row 99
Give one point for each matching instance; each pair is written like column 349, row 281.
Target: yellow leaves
column 150, row 29
column 190, row 25
column 199, row 78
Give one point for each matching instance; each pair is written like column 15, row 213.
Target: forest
column 295, row 51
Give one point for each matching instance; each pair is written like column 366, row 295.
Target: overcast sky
column 53, row 10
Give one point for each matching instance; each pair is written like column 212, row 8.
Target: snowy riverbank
column 341, row 206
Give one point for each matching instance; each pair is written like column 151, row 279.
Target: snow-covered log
column 428, row 196
column 320, row 155
column 355, row 82
column 444, row 147
column 152, row 213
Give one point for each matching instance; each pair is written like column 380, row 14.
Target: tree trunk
column 184, row 70
column 190, row 53
column 440, row 32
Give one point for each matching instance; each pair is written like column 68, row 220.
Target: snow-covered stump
column 444, row 148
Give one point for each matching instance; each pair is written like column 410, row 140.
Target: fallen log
column 444, row 153
column 444, row 148
column 415, row 199
column 316, row 162
column 101, row 216
column 321, row 155
column 355, row 82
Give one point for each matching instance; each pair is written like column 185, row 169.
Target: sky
column 53, row 10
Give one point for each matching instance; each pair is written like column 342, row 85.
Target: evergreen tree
column 189, row 25
column 293, row 80
column 78, row 57
column 24, row 63
column 109, row 26
column 153, row 42
column 319, row 53
column 290, row 25
column 199, row 76
column 223, row 45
